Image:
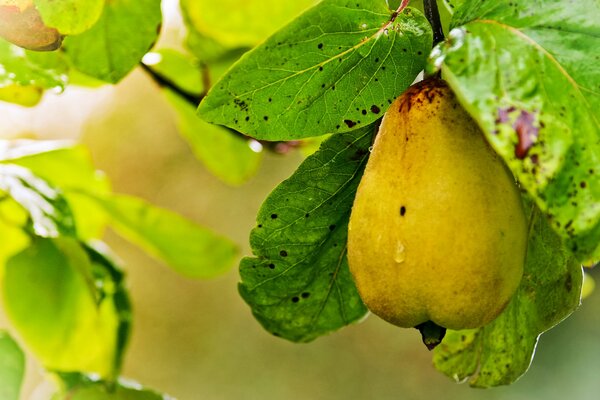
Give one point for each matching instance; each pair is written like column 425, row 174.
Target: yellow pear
column 437, row 232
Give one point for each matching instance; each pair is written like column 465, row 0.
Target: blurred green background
column 197, row 339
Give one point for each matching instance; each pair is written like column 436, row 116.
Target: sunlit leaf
column 12, row 367
column 298, row 285
column 70, row 17
column 125, row 31
column 237, row 23
column 27, row 96
column 525, row 71
column 179, row 68
column 335, row 68
column 49, row 298
column 49, row 211
column 499, row 353
column 188, row 248
column 25, row 68
column 70, row 168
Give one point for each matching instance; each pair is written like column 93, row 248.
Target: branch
column 433, row 16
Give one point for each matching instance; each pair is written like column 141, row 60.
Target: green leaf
column 12, row 367
column 118, row 41
column 299, row 286
column 70, row 17
column 238, row 24
column 226, row 155
column 188, row 248
column 526, row 72
column 27, row 68
column 453, row 5
column 335, row 68
column 83, row 387
column 69, row 168
column 49, row 297
column 499, row 353
column 49, row 211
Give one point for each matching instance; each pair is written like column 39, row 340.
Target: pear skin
column 437, row 231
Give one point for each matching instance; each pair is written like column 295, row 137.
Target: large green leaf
column 225, row 154
column 109, row 50
column 250, row 23
column 298, row 284
column 51, row 298
column 48, row 210
column 526, row 72
column 188, row 248
column 70, row 17
column 12, row 367
column 335, row 68
column 499, row 353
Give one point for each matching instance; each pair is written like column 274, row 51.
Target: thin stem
column 167, row 83
column 433, row 16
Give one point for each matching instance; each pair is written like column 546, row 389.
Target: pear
column 437, row 234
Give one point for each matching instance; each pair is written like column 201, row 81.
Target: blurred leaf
column 188, row 248
column 118, row 41
column 82, row 387
column 14, row 149
column 12, row 368
column 70, row 168
column 22, row 25
column 226, row 155
column 453, row 5
column 48, row 298
column 237, row 23
column 335, row 68
column 70, row 17
column 27, row 96
column 49, row 211
column 524, row 71
column 14, row 239
column 500, row 352
column 298, row 284
column 179, row 68
column 589, row 285
column 26, row 68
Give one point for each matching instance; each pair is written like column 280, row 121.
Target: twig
column 433, row 16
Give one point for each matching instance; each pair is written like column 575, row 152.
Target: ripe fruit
column 437, row 231
column 21, row 24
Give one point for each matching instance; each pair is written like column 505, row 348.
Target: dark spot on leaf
column 582, row 185
column 320, row 45
column 306, row 215
column 535, row 159
column 377, row 59
column 569, row 283
column 321, row 68
column 364, row 112
column 331, row 227
column 260, row 225
column 270, row 99
column 402, row 211
column 295, row 299
column 375, row 109
column 241, row 104
column 247, row 119
column 266, row 118
column 283, row 253
column 349, row 123
column 305, row 295
column 273, row 216
column 272, row 266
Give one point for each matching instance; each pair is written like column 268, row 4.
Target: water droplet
column 400, row 253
